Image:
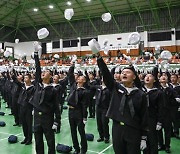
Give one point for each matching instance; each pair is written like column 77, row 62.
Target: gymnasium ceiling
column 18, row 14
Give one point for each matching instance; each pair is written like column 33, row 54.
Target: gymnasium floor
column 64, row 137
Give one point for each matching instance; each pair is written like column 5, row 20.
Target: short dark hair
column 29, row 76
column 51, row 73
column 174, row 75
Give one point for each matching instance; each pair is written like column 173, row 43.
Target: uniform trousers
column 102, row 123
column 76, row 122
column 167, row 132
column 26, row 118
column 152, row 140
column 126, row 139
column 43, row 125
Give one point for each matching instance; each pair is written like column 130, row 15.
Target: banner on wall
column 123, row 47
column 116, row 41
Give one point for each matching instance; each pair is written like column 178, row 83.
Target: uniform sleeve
column 15, row 80
column 38, row 69
column 85, row 104
column 87, row 76
column 107, row 77
column 144, row 117
column 60, row 93
column 160, row 107
column 71, row 75
column 56, row 107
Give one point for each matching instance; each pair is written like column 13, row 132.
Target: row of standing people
column 139, row 110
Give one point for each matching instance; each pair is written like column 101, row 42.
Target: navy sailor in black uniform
column 155, row 101
column 78, row 103
column 26, row 109
column 127, row 109
column 59, row 90
column 46, row 109
column 174, row 109
column 169, row 101
column 103, row 97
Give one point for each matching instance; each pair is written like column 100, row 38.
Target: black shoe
column 100, row 140
column 28, row 143
column 90, row 117
column 168, row 150
column 24, row 141
column 161, row 148
column 16, row 124
column 7, row 107
column 177, row 136
column 82, row 152
column 76, row 152
column 106, row 141
column 58, row 132
column 10, row 114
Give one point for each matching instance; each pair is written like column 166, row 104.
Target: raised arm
column 38, row 68
column 8, row 75
column 113, row 71
column 87, row 76
column 14, row 77
column 144, row 116
column 71, row 75
column 107, row 77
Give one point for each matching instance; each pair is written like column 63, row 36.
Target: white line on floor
column 93, row 151
column 105, row 149
column 64, row 119
column 4, row 133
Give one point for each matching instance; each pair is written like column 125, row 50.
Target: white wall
column 21, row 48
column 0, row 45
column 27, row 47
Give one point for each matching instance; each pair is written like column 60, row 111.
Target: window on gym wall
column 66, row 44
column 74, row 43
column 159, row 36
column 84, row 42
column 56, row 44
column 49, row 47
column 178, row 35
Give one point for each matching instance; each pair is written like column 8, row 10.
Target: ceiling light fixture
column 88, row 0
column 35, row 9
column 51, row 6
column 69, row 3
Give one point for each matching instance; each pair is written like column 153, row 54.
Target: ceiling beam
column 2, row 27
column 87, row 16
column 170, row 16
column 23, row 34
column 62, row 12
column 3, row 4
column 139, row 13
column 153, row 4
column 3, row 38
column 20, row 12
column 108, row 10
column 10, row 13
column 32, row 22
column 130, row 11
column 49, row 22
column 177, row 20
